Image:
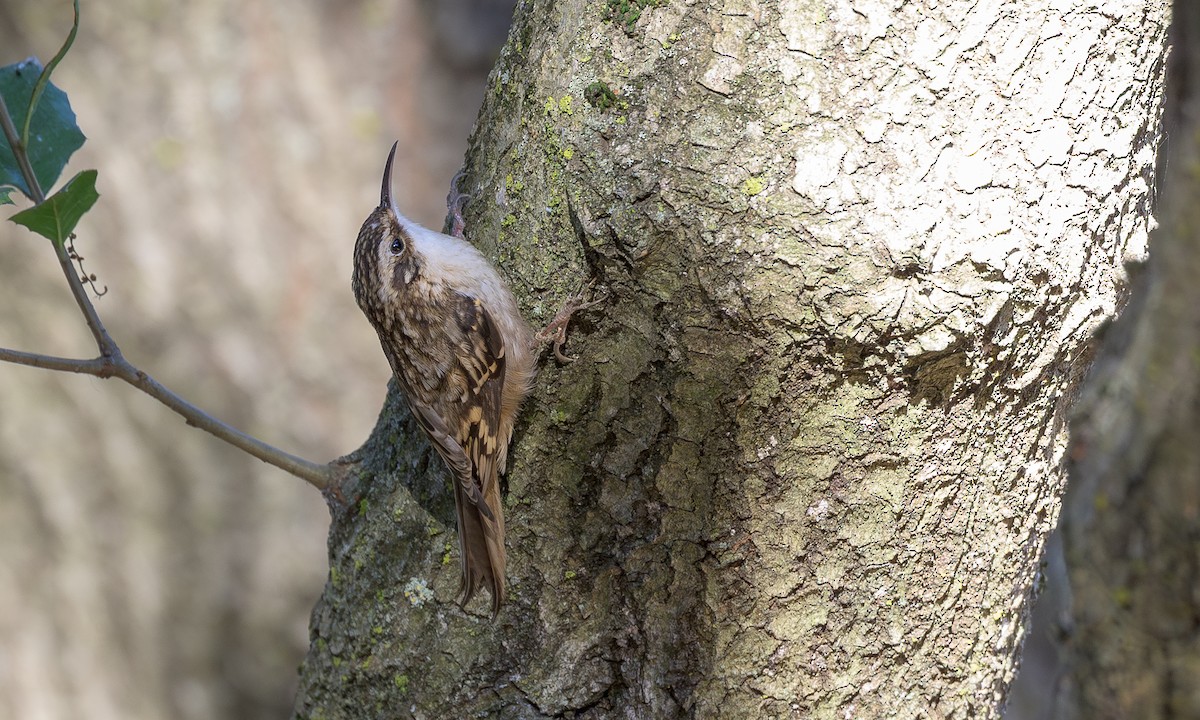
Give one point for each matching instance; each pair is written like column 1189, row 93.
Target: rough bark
column 808, row 457
column 1131, row 523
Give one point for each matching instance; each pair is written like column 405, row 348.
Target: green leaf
column 4, row 195
column 56, row 218
column 54, row 137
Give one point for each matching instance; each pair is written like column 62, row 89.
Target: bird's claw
column 556, row 332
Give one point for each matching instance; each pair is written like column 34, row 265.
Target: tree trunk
column 1131, row 523
column 807, row 459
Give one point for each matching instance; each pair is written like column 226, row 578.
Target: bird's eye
column 397, row 246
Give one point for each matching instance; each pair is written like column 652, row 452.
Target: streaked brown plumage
column 463, row 357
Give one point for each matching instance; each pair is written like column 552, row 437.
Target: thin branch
column 103, row 340
column 319, row 476
column 112, row 363
column 95, row 366
column 108, row 347
column 18, row 151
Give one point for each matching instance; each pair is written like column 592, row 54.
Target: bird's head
column 385, row 262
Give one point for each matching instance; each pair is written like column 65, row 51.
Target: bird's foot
column 555, row 334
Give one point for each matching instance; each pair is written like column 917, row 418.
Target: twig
column 105, row 343
column 319, row 476
column 111, row 362
column 18, row 149
column 96, row 366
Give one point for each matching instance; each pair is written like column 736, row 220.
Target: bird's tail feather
column 481, row 545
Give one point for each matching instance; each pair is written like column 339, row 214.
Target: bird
column 463, row 357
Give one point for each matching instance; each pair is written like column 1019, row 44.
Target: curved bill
column 385, row 195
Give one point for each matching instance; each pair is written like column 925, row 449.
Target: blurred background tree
column 147, row 570
column 1114, row 634
column 1131, row 516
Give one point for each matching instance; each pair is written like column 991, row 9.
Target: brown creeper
column 463, row 357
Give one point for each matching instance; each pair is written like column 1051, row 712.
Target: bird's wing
column 464, row 429
column 480, row 515
column 463, row 425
